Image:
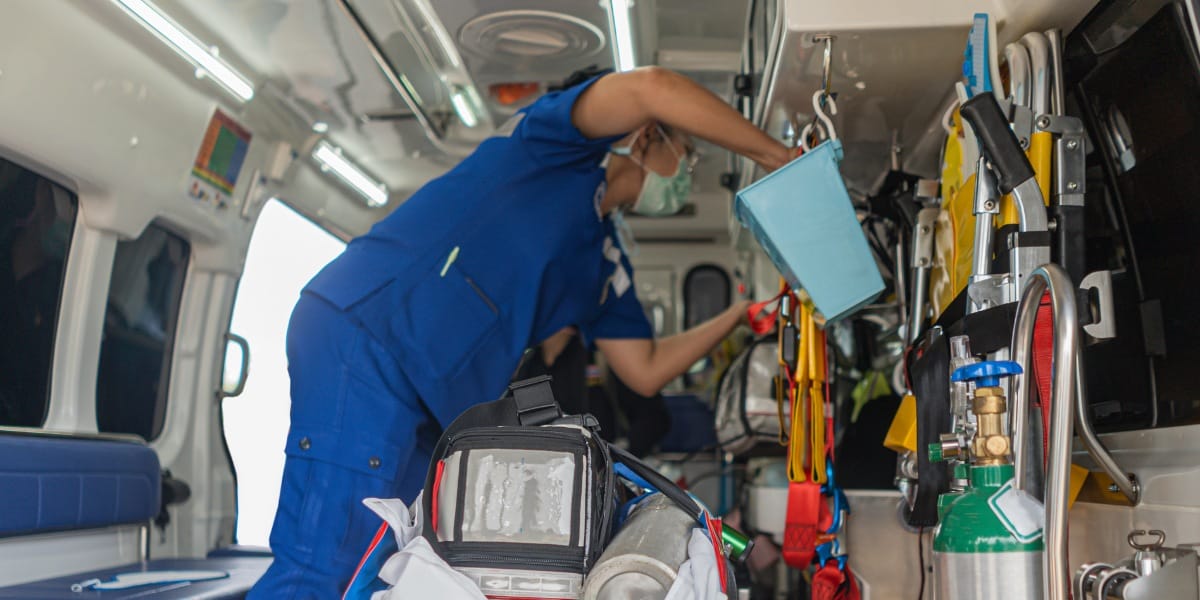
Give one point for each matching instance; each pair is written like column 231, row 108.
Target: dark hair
column 579, row 77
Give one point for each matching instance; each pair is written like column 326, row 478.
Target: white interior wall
column 92, row 100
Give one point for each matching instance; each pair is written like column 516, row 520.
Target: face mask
column 660, row 196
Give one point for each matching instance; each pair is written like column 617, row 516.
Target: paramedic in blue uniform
column 430, row 311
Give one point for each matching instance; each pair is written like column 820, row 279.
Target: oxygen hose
column 738, row 544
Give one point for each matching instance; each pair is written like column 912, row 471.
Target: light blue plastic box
column 802, row 217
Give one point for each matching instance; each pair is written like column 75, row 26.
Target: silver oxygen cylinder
column 641, row 562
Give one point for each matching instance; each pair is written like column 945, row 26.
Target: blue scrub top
column 492, row 258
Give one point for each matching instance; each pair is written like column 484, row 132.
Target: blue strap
column 623, row 513
column 626, row 473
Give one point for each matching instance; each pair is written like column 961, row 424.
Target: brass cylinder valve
column 991, row 445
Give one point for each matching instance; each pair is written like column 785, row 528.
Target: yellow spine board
column 954, row 245
column 945, row 281
column 902, row 434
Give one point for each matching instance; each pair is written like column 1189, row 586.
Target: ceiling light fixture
column 202, row 57
column 330, row 157
column 463, row 107
column 621, row 29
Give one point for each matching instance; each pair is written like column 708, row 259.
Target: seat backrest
column 59, row 483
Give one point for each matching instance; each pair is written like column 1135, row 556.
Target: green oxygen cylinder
column 988, row 543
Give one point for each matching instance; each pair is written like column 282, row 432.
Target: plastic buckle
column 535, row 402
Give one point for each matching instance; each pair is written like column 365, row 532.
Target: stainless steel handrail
column 1056, row 582
column 1092, row 444
column 433, row 130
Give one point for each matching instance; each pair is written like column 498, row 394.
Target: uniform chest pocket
column 448, row 317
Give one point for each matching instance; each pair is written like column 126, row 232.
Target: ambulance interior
column 173, row 171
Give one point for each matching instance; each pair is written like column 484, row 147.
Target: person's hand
column 776, row 156
column 742, row 307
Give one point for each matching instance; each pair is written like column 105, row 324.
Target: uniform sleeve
column 621, row 316
column 548, row 131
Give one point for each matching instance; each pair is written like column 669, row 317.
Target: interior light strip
column 331, row 158
column 189, row 47
column 621, row 25
column 463, row 108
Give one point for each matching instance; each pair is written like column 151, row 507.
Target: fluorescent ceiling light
column 205, row 60
column 621, row 27
column 331, row 158
column 434, row 26
column 463, row 107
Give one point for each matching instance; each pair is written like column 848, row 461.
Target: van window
column 37, row 219
column 285, row 252
column 1143, row 118
column 139, row 332
column 706, row 292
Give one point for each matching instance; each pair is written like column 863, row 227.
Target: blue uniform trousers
column 358, row 430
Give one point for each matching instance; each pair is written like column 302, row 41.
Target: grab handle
column 998, row 140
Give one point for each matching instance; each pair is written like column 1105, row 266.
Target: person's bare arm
column 646, row 365
column 621, row 102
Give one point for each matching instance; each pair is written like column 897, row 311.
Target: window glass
column 37, row 219
column 706, row 292
column 139, row 332
column 1142, row 113
column 285, row 252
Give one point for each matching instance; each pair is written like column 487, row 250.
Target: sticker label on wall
column 219, row 161
column 1021, row 514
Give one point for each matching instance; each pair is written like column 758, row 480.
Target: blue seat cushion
column 55, row 483
column 243, row 573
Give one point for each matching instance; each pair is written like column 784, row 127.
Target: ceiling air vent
column 531, row 34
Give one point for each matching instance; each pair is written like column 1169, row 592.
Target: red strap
column 1043, row 359
column 714, row 533
column 827, row 582
column 437, row 484
column 829, row 412
column 760, row 317
column 803, row 523
column 831, row 583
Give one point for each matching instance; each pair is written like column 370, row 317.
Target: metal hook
column 820, row 97
column 826, row 62
column 809, row 132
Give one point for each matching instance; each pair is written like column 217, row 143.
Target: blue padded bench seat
column 243, row 573
column 240, row 550
column 58, row 483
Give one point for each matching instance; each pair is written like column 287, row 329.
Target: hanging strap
column 761, row 316
column 810, row 523
column 810, row 439
column 832, row 582
column 803, row 523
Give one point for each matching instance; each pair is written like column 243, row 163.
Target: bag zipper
column 573, row 438
column 507, row 556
